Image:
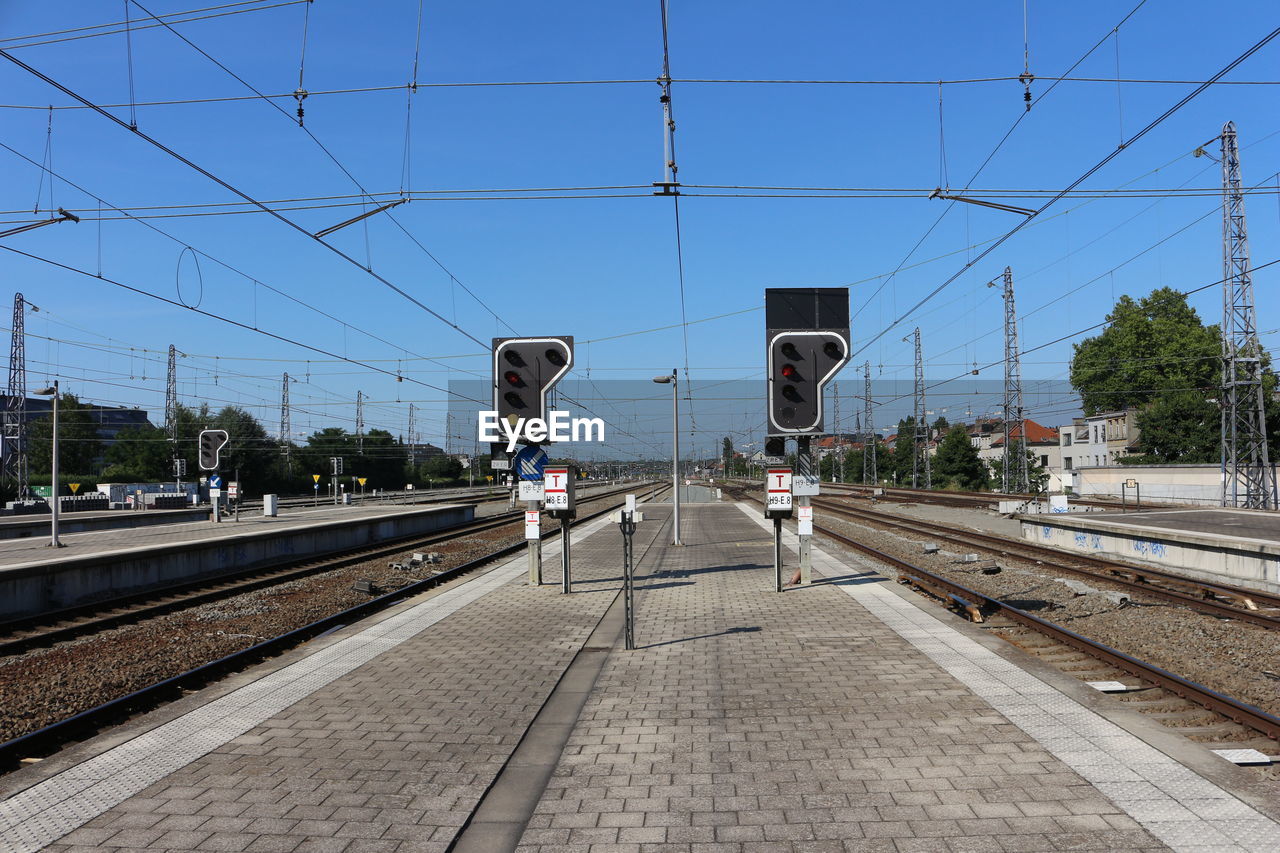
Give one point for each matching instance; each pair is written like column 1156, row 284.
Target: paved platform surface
column 1221, row 522
column 15, row 552
column 836, row 717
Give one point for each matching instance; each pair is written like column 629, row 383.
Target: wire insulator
column 300, row 95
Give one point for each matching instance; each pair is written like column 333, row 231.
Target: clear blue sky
column 597, row 268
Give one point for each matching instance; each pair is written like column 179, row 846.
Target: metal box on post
column 777, row 493
column 559, row 482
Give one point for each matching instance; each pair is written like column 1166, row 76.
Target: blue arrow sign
column 215, row 481
column 530, row 462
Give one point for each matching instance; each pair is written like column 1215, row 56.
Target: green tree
column 727, row 453
column 1179, row 426
column 384, row 462
column 248, row 450
column 78, row 442
column 140, row 455
column 1153, row 345
column 901, row 463
column 957, row 462
column 440, row 469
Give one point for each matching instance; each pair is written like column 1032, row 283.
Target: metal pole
column 57, row 499
column 777, row 555
column 628, row 580
column 804, row 461
column 566, row 579
column 675, row 456
column 237, row 494
column 535, row 552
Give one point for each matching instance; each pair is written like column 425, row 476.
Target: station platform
column 492, row 715
column 36, row 526
column 1242, row 546
column 94, row 565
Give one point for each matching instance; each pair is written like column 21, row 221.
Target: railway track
column 51, row 737
column 979, row 607
column 904, row 494
column 1215, row 599
column 47, row 629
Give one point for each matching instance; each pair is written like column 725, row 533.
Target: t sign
column 559, row 481
column 777, row 491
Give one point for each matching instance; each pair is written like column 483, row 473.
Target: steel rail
column 44, row 739
column 204, row 590
column 1103, row 569
column 1246, row 715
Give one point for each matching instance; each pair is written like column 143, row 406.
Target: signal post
column 211, row 443
column 807, row 342
column 524, row 371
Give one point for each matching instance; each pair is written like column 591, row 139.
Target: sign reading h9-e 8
column 777, row 493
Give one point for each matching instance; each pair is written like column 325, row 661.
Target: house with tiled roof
column 1043, row 442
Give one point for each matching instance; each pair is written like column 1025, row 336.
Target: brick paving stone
column 395, row 754
column 814, row 725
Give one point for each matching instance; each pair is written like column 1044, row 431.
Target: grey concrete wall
column 31, row 590
column 1196, row 554
column 38, row 525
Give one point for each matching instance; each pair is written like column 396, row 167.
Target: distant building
column 1043, row 443
column 110, row 420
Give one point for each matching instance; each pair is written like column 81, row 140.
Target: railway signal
column 806, row 344
column 524, row 370
column 211, row 443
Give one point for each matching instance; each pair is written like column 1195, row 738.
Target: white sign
column 777, row 488
column 557, row 488
column 804, row 521
column 531, row 490
column 233, row 489
column 532, row 528
column 806, row 484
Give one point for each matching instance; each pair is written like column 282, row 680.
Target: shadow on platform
column 740, row 630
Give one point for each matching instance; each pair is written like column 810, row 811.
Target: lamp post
column 53, row 538
column 675, row 451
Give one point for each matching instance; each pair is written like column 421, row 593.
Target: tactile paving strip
column 1175, row 804
column 43, row 813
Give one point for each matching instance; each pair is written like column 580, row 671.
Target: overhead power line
column 1092, row 170
column 223, row 319
column 230, row 188
column 484, row 84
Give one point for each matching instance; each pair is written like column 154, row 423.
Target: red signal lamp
column 789, row 371
column 512, row 378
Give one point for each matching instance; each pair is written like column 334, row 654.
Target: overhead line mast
column 869, row 448
column 1014, row 474
column 14, row 450
column 1247, row 478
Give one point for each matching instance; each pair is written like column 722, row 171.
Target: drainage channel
column 499, row 819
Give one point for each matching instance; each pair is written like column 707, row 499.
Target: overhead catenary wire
column 481, row 84
column 368, row 268
column 221, row 318
column 254, row 280
column 977, row 173
column 231, row 188
column 1081, row 179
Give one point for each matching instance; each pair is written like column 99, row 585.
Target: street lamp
column 675, row 451
column 53, row 390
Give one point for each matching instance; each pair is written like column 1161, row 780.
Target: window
column 1066, row 463
column 1066, row 439
column 1044, row 461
